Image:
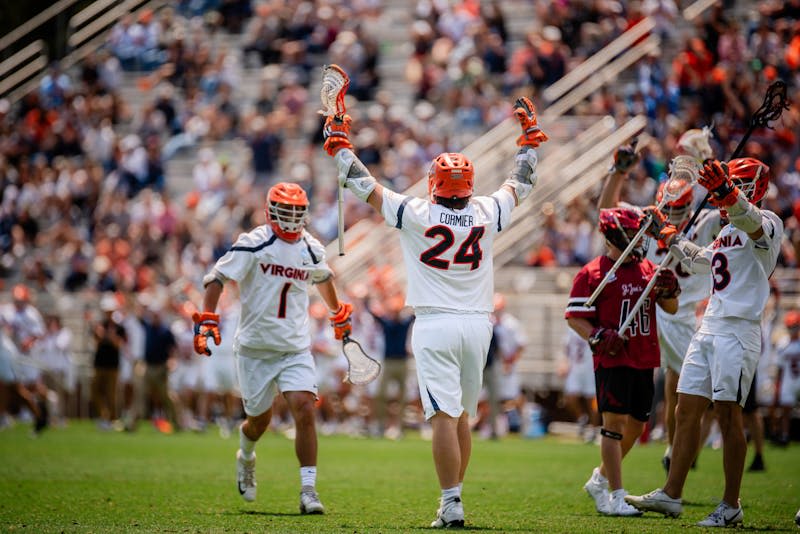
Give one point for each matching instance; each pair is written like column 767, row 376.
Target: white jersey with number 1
column 273, row 277
column 448, row 253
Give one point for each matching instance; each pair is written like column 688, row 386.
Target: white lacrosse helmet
column 695, row 143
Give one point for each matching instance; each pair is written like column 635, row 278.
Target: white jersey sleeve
column 694, row 287
column 740, row 270
column 273, row 277
column 448, row 253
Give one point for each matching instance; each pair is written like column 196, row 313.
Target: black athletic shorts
column 625, row 390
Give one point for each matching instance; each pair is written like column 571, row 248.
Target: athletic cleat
column 309, row 501
column 665, row 461
column 656, row 501
column 246, row 476
column 597, row 488
column 797, row 518
column 450, row 515
column 757, row 464
column 724, row 516
column 617, row 506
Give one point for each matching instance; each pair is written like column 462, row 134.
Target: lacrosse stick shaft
column 640, row 302
column 625, row 253
column 340, row 202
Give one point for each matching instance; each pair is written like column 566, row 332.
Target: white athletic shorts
column 721, row 366
column 673, row 339
column 790, row 390
column 262, row 373
column 450, row 351
column 580, row 380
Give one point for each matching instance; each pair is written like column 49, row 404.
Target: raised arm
column 523, row 176
column 353, row 174
column 625, row 157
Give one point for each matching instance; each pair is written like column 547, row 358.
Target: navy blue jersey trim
column 400, row 211
column 256, row 248
column 313, row 256
column 499, row 214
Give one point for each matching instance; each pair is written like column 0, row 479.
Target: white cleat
column 246, row 476
column 724, row 516
column 309, row 501
column 617, row 506
column 450, row 515
column 656, row 501
column 597, row 488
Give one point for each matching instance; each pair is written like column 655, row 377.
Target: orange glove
column 525, row 112
column 337, row 134
column 714, row 177
column 206, row 325
column 340, row 320
column 660, row 229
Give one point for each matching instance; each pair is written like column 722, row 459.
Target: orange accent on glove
column 206, row 325
column 340, row 320
column 525, row 112
column 714, row 177
column 337, row 134
column 660, row 228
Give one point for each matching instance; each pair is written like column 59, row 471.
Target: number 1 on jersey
column 282, row 301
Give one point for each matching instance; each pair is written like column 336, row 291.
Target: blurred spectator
column 109, row 338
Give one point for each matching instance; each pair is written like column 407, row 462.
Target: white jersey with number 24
column 448, row 253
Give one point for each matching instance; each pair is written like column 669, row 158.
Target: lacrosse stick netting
column 361, row 368
column 334, row 86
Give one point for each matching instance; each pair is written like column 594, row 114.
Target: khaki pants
column 104, row 392
column 393, row 370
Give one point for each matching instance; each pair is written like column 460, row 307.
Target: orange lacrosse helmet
column 287, row 210
column 751, row 176
column 21, row 293
column 451, row 175
column 792, row 319
column 677, row 210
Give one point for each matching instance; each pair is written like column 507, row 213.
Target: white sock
column 247, row 446
column 618, row 494
column 308, row 475
column 460, row 487
column 450, row 494
column 668, row 452
column 599, row 477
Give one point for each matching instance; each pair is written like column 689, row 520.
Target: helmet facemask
column 289, row 219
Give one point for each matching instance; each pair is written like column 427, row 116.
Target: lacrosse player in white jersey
column 446, row 242
column 674, row 331
column 723, row 354
column 273, row 266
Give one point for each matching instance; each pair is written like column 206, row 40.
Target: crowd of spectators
column 86, row 204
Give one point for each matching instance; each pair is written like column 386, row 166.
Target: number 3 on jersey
column 722, row 276
column 469, row 252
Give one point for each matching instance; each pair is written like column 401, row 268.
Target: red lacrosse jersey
column 610, row 309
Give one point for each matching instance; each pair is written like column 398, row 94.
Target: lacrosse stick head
column 696, row 143
column 334, row 86
column 676, row 193
column 361, row 368
column 775, row 101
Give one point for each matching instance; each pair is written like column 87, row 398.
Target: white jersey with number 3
column 448, row 253
column 273, row 277
column 740, row 269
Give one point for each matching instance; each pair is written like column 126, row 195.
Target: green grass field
column 80, row 480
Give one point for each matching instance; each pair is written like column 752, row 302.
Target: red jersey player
column 623, row 365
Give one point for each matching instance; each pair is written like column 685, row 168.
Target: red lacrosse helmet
column 287, row 210
column 619, row 225
column 751, row 176
column 451, row 175
column 678, row 209
column 792, row 319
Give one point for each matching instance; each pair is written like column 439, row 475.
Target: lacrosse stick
column 775, row 101
column 361, row 369
column 683, row 174
column 334, row 86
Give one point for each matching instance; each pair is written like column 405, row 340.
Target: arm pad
column 354, row 175
column 744, row 215
column 523, row 177
column 693, row 258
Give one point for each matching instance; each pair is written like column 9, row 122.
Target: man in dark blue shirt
column 395, row 327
